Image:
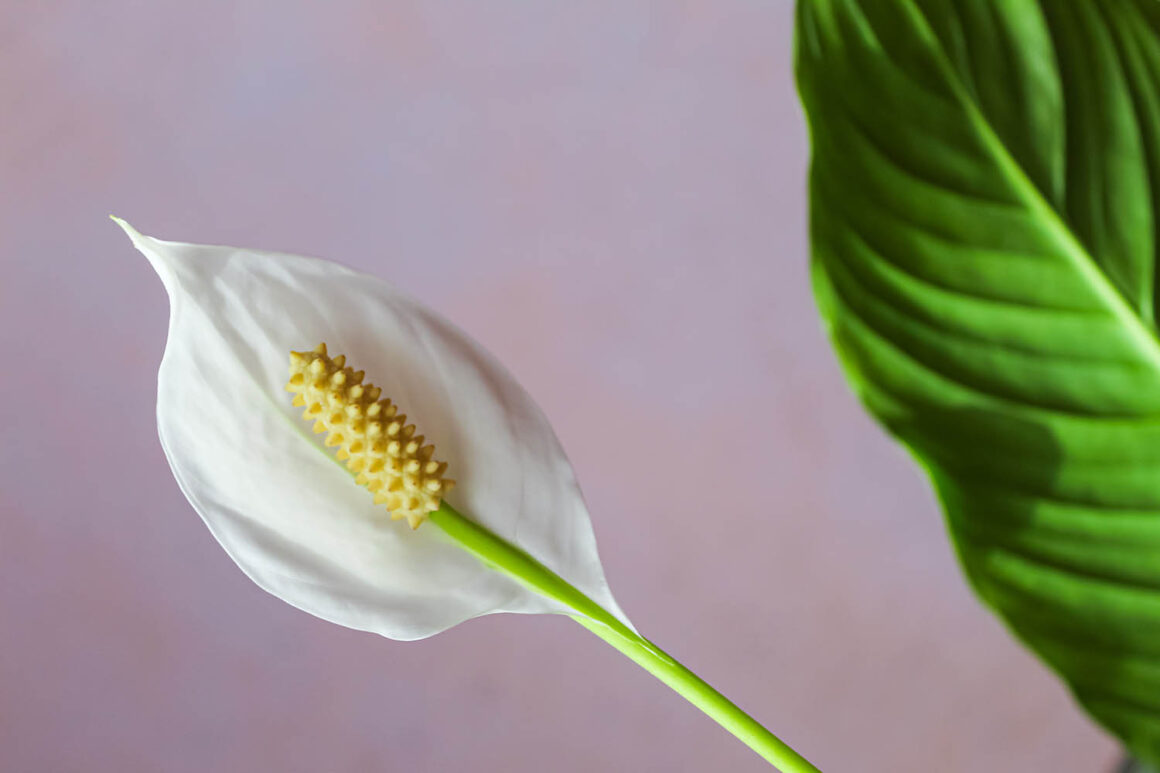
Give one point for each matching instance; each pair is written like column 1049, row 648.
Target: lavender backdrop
column 610, row 195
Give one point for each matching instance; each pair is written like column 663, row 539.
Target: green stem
column 502, row 555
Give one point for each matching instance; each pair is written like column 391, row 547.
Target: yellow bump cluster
column 371, row 435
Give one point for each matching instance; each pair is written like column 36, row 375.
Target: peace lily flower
column 249, row 410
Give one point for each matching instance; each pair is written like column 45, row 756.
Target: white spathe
column 290, row 514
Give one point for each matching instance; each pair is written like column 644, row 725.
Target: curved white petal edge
column 287, row 512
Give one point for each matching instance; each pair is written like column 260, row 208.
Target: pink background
column 610, row 196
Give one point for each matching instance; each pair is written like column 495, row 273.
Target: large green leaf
column 984, row 210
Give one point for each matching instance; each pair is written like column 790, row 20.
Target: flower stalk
column 503, row 556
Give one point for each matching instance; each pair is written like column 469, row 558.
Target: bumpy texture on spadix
column 372, row 436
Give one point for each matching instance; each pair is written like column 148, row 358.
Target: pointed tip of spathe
column 147, row 247
column 132, row 232
column 139, row 239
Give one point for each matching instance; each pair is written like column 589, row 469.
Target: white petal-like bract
column 289, row 513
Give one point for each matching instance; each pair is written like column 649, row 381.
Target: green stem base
column 504, row 556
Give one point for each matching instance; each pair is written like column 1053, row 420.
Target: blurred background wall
column 611, row 197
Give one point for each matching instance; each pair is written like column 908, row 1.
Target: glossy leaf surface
column 984, row 212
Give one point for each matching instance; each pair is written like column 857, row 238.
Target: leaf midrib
column 1144, row 337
